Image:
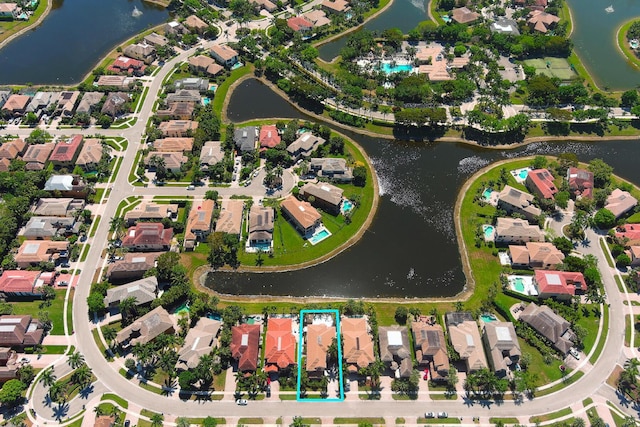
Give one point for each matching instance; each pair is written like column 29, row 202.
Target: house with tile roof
column 550, row 325
column 335, row 6
column 536, row 255
column 172, row 161
column 178, row 128
column 280, row 345
column 53, row 206
column 67, row 186
column 230, row 218
column 299, row 24
column 19, row 331
column 561, row 285
column 41, row 101
column 211, row 154
column 16, row 105
column 116, row 82
column 319, row 337
column 305, row 145
column 33, row 252
column 195, row 24
column 116, row 104
column 200, row 341
column 542, row 21
column 88, row 101
column 156, row 40
column 127, row 66
column 261, row 221
column 8, row 364
column 431, row 349
column 24, row 283
column 540, row 183
column 620, row 202
column 325, row 196
column 204, row 64
column 199, row 223
column 146, row 329
column 269, row 136
column 183, row 95
column 580, row 182
column 318, row 17
column 245, row 346
column 9, row 11
column 304, row 217
column 67, row 103
column 13, row 149
column 503, row 348
column 395, row 350
column 630, row 232
column 177, row 111
column 331, row 168
column 148, row 237
column 37, row 155
column 143, row 291
column 132, row 267
column 192, row 83
column 224, row 55
column 463, row 15
column 264, row 4
column 5, row 165
column 141, row 51
column 516, row 230
column 466, row 341
column 175, row 28
column 175, row 144
column 150, row 211
column 357, row 343
column 90, row 154
column 513, row 200
column 66, row 152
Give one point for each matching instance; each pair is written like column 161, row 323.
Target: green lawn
column 56, row 311
column 119, row 400
column 347, row 420
column 600, row 344
column 590, row 322
column 221, row 91
column 551, row 416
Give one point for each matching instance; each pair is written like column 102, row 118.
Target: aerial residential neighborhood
column 328, row 212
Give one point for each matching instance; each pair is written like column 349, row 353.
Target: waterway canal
column 410, row 249
column 73, row 38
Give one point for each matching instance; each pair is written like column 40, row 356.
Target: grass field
column 56, row 310
column 552, row 67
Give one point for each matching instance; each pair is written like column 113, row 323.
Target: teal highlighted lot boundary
column 336, row 315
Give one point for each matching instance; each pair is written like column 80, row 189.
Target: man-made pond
column 410, row 250
column 594, row 37
column 73, row 38
column 402, row 14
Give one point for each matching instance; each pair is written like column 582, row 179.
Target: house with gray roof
column 550, row 325
column 431, row 348
column 324, row 196
column 141, row 51
column 505, row 26
column 89, row 101
column 115, row 104
column 246, row 138
column 503, row 348
column 146, row 329
column 47, row 227
column 183, row 95
column 192, row 83
column 155, row 39
column 395, row 350
column 41, row 101
column 200, row 340
column 260, row 225
column 211, row 154
column 53, row 206
column 465, row 338
column 306, row 144
column 513, row 200
column 150, row 211
column 133, row 266
column 334, row 169
column 144, row 291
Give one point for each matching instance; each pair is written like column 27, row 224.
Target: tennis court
column 552, row 67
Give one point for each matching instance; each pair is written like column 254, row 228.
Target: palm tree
column 182, row 422
column 128, row 307
column 48, row 378
column 75, row 360
column 116, row 225
column 157, row 420
column 109, row 334
column 632, row 365
column 82, row 375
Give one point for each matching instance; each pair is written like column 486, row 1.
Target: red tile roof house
column 245, row 346
column 148, row 237
column 127, row 65
column 631, row 232
column 357, row 343
column 319, row 338
column 305, row 218
column 300, row 24
column 178, row 128
column 16, row 105
column 66, row 152
column 580, row 182
column 24, row 283
column 540, row 182
column 561, row 285
column 620, row 202
column 269, row 137
column 280, row 345
column 20, row 331
column 13, row 149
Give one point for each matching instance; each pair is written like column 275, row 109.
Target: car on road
column 191, row 187
column 127, row 423
column 83, row 238
column 63, row 283
column 443, row 415
column 65, row 265
column 25, row 360
column 241, row 402
column 429, row 415
column 574, row 353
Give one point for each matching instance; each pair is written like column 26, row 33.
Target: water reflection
column 410, row 250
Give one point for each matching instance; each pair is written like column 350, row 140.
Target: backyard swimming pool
column 486, row 318
column 206, row 101
column 488, row 232
column 487, row 194
column 398, row 68
column 319, row 236
column 347, row 205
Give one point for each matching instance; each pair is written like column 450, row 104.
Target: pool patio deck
column 528, row 289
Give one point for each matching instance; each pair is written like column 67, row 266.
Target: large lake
column 410, row 250
column 72, row 39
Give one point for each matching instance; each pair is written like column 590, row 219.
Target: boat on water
column 136, row 12
column 609, row 9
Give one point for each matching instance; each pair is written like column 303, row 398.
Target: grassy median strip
column 347, row 420
column 551, row 416
column 250, row 420
column 512, row 420
column 119, row 400
column 600, row 344
column 605, row 249
column 422, row 420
